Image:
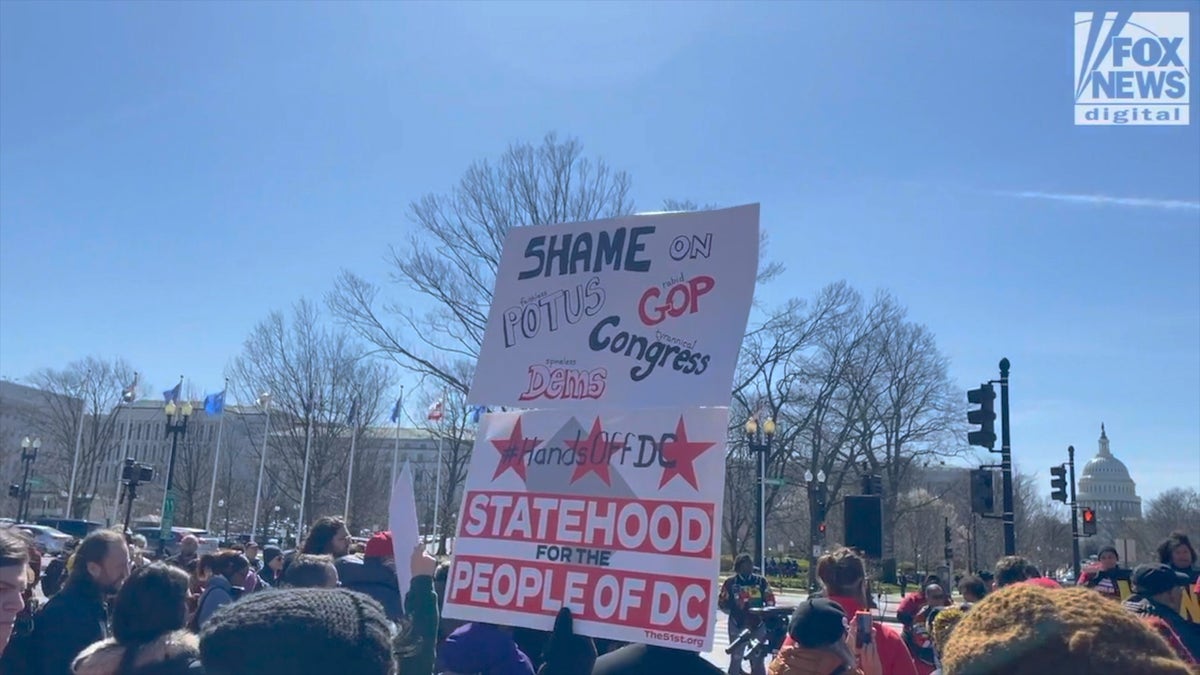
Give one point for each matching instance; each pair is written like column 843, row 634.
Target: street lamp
column 816, row 522
column 759, row 440
column 221, row 504
column 177, row 418
column 29, row 453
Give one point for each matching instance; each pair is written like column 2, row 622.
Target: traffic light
column 985, row 417
column 949, row 553
column 14, row 490
column 1058, row 481
column 947, row 536
column 821, row 530
column 1089, row 522
column 821, row 505
column 983, row 498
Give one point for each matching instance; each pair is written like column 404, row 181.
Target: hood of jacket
column 104, row 658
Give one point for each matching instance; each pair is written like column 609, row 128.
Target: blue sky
column 172, row 172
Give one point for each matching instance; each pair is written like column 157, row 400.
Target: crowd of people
column 323, row 607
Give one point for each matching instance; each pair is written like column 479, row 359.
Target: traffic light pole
column 1074, row 515
column 1010, row 528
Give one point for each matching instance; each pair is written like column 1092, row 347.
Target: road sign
column 773, row 481
column 168, row 516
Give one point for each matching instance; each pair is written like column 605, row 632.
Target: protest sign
column 640, row 311
column 616, row 516
column 402, row 522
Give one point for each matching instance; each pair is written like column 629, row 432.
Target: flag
column 396, row 411
column 476, row 412
column 350, row 416
column 129, row 394
column 172, row 395
column 435, row 411
column 214, row 404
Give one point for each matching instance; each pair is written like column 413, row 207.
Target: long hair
column 1171, row 543
column 228, row 563
column 93, row 549
column 151, row 603
column 321, row 535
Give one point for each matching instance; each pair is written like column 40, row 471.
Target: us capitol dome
column 1105, row 486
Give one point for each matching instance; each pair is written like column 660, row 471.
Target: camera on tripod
column 136, row 472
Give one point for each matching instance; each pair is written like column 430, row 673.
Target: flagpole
column 396, row 447
column 300, row 523
column 120, row 463
column 212, row 491
column 437, row 489
column 78, row 446
column 350, row 474
column 264, row 400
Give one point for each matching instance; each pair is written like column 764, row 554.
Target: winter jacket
column 374, row 577
column 170, row 654
column 1105, row 582
column 482, row 648
column 640, row 659
column 219, row 592
column 54, row 576
column 422, row 604
column 71, row 621
column 893, row 654
column 742, row 592
column 910, row 606
column 1189, row 633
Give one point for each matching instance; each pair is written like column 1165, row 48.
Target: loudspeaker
column 864, row 524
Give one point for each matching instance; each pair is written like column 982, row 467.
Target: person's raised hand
column 567, row 653
column 422, row 564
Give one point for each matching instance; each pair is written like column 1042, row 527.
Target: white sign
column 628, row 312
column 1132, row 68
column 616, row 516
column 402, row 521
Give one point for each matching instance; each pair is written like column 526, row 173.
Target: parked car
column 207, row 544
column 46, row 539
column 76, row 528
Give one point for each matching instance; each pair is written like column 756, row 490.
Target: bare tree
column 87, row 393
column 452, row 257
column 455, row 433
column 314, row 374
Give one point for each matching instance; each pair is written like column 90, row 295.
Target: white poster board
column 617, row 516
column 629, row 312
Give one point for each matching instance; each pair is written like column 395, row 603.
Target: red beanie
column 379, row 546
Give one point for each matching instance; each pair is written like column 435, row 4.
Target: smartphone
column 862, row 628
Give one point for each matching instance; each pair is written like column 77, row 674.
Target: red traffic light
column 821, row 528
column 1089, row 516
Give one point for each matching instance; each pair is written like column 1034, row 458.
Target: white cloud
column 1104, row 200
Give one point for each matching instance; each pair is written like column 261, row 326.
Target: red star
column 513, row 450
column 682, row 455
column 585, row 446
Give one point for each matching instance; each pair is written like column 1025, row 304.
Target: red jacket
column 893, row 653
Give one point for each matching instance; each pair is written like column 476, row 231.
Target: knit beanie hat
column 379, row 546
column 302, row 630
column 1072, row 631
column 270, row 553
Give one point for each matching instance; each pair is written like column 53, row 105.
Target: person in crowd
column 1104, row 579
column 822, row 636
column 189, row 548
column 272, row 565
column 311, row 571
column 1022, row 628
column 299, row 630
column 941, row 626
column 251, row 553
column 482, row 648
column 14, row 580
column 328, row 536
column 445, row 626
column 416, row 637
column 569, row 654
column 1011, row 569
column 1158, row 592
column 229, row 572
column 912, row 603
column 740, row 593
column 77, row 615
column 1178, row 552
column 916, row 633
column 843, row 576
column 137, row 551
column 374, row 574
column 148, row 635
column 56, row 570
column 972, row 588
column 1034, row 576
